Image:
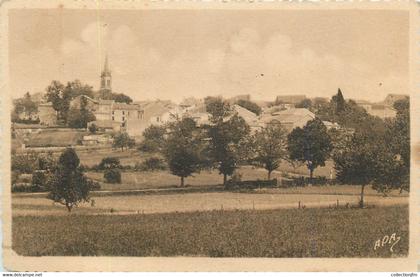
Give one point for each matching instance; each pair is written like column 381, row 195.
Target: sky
column 172, row 54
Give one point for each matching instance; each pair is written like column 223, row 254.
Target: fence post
column 299, row 205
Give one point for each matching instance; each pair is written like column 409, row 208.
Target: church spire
column 106, row 69
column 106, row 78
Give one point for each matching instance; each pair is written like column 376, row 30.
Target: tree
column 270, row 147
column 55, row 95
column 93, row 128
column 310, row 144
column 122, row 140
column 109, row 162
column 68, row 184
column 60, row 97
column 249, row 105
column 118, row 97
column 153, row 138
column 338, row 102
column 112, row 176
column 228, row 135
column 122, row 98
column 397, row 138
column 183, row 148
column 24, row 106
column 79, row 118
column 357, row 163
column 76, row 88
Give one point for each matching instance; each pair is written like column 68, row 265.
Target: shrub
column 151, row 164
column 304, row 181
column 230, row 185
column 93, row 128
column 39, row 180
column 22, row 187
column 112, row 176
column 25, row 163
column 109, row 162
column 94, row 185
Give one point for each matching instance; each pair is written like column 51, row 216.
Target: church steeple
column 106, row 78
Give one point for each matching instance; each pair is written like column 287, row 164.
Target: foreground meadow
column 317, row 232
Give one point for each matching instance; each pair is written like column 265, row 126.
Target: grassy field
column 161, row 179
column 53, row 137
column 269, row 233
column 127, row 157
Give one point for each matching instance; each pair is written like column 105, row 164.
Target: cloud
column 246, row 63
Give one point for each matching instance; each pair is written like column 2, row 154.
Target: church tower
column 106, row 80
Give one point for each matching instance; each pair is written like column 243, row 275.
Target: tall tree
column 54, row 95
column 76, row 88
column 79, row 118
column 398, row 139
column 310, row 144
column 228, row 134
column 270, row 147
column 183, row 148
column 355, row 164
column 338, row 102
column 153, row 138
column 68, row 185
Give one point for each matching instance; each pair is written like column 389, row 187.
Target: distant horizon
column 251, row 98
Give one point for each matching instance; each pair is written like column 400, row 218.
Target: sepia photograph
column 215, row 133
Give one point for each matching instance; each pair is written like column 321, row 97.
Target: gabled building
column 290, row 119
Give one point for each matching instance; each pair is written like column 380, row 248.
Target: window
column 123, row 118
column 112, row 112
column 113, row 118
column 123, row 112
column 108, row 82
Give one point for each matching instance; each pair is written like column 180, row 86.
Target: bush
column 151, row 164
column 22, row 187
column 25, row 163
column 109, row 162
column 304, row 181
column 93, row 128
column 94, row 185
column 112, row 176
column 39, row 180
column 231, row 185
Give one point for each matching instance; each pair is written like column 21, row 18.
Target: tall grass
column 273, row 233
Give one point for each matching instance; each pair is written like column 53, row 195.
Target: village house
column 290, row 118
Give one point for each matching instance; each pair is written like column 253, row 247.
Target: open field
column 127, row 157
column 161, row 179
column 55, row 137
column 268, row 233
column 189, row 202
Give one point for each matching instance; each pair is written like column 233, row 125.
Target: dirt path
column 147, row 204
